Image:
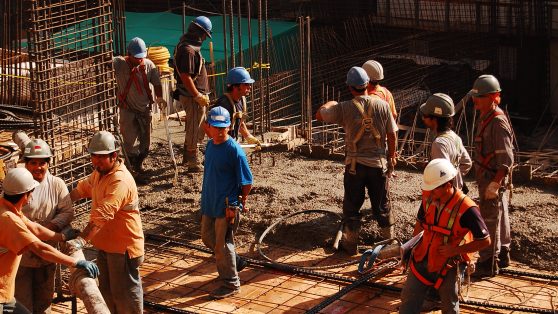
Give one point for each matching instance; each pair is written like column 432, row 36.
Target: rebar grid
column 72, row 82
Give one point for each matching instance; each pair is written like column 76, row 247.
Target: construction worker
column 19, row 235
column 192, row 87
column 367, row 122
column 134, row 73
column 375, row 72
column 437, row 113
column 239, row 84
column 50, row 207
column 453, row 229
column 114, row 226
column 493, row 167
column 227, row 181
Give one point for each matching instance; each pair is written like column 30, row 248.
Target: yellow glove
column 161, row 103
column 202, row 100
column 253, row 140
column 492, row 190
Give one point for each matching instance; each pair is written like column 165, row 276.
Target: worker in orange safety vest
column 452, row 229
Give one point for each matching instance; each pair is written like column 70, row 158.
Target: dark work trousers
column 374, row 180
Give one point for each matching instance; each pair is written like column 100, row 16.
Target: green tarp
column 164, row 29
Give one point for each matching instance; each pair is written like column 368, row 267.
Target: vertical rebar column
column 309, row 80
column 267, row 105
column 251, row 65
column 231, row 34
column 239, row 27
column 260, row 71
column 225, row 35
column 302, row 42
column 183, row 17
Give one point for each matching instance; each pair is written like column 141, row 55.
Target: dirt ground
column 285, row 182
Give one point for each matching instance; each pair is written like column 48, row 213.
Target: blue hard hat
column 204, row 23
column 137, row 48
column 219, row 117
column 357, row 78
column 238, row 75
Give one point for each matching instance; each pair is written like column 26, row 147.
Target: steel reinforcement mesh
column 71, row 78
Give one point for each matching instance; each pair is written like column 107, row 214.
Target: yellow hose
column 160, row 56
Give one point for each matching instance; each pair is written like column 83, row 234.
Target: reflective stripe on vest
column 482, row 159
column 440, row 228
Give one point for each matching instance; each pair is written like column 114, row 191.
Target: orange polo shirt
column 14, row 237
column 115, row 211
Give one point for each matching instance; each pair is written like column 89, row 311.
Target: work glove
column 161, row 103
column 69, row 234
column 90, row 267
column 492, row 190
column 253, row 140
column 202, row 100
column 74, row 245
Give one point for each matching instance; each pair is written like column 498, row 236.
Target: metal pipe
column 86, row 289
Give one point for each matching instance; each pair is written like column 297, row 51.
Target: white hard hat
column 103, row 142
column 18, row 181
column 37, row 148
column 374, row 70
column 437, row 172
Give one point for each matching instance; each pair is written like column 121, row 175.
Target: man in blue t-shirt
column 227, row 181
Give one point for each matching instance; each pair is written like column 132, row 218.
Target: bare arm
column 244, row 130
column 245, row 191
column 189, row 84
column 48, row 253
column 75, row 196
column 41, row 232
column 89, row 232
column 392, row 144
column 477, row 245
column 327, row 105
column 158, row 90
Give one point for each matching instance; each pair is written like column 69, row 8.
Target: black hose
column 164, row 308
column 280, row 220
column 375, row 273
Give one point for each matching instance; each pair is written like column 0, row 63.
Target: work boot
column 241, row 263
column 486, row 268
column 224, row 292
column 504, row 257
column 191, row 161
column 387, row 232
column 349, row 240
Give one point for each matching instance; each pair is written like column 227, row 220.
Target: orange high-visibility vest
column 441, row 227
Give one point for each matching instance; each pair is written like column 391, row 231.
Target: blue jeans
column 415, row 291
column 218, row 235
column 120, row 282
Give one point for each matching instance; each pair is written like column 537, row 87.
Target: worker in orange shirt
column 114, row 226
column 18, row 235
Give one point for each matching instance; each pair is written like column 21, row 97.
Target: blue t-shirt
column 226, row 170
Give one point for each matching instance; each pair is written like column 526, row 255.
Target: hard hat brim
column 219, row 124
column 140, row 55
column 101, row 152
